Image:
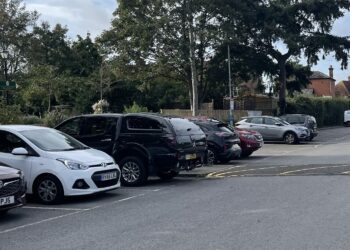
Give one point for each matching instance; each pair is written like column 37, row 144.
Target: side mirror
column 278, row 124
column 19, row 151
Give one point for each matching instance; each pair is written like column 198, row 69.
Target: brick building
column 343, row 88
column 322, row 84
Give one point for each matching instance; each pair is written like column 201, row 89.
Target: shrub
column 31, row 120
column 10, row 114
column 135, row 108
column 100, row 107
column 54, row 118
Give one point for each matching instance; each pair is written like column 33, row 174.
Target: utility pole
column 231, row 116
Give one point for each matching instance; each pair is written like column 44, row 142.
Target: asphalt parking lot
column 327, row 155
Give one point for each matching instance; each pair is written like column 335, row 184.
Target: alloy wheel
column 131, row 172
column 47, row 190
column 211, row 157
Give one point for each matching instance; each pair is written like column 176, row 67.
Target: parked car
column 274, row 129
column 12, row 188
column 56, row 165
column 250, row 141
column 307, row 121
column 142, row 144
column 223, row 143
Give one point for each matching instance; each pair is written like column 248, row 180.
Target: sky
column 94, row 16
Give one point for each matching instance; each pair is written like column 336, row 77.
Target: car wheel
column 348, row 123
column 168, row 175
column 211, row 156
column 48, row 190
column 133, row 171
column 290, row 138
column 246, row 154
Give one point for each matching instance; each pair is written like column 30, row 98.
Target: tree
column 284, row 29
column 14, row 23
column 171, row 39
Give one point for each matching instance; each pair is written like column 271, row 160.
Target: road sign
column 7, row 85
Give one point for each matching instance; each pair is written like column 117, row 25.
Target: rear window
column 184, row 126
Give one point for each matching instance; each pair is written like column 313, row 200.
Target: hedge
column 327, row 111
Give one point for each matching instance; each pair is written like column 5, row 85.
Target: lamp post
column 4, row 57
column 231, row 118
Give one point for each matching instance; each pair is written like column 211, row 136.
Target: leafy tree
column 170, row 39
column 15, row 21
column 298, row 27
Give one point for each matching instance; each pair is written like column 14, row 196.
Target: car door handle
column 106, row 140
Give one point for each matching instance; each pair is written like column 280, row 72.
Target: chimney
column 331, row 72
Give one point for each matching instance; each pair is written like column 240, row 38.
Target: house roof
column 319, row 75
column 343, row 88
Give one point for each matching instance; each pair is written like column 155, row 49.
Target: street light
column 4, row 57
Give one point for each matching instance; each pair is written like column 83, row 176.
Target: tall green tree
column 284, row 29
column 15, row 23
column 168, row 38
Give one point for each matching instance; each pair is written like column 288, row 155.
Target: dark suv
column 142, row 144
column 12, row 188
column 303, row 120
column 223, row 143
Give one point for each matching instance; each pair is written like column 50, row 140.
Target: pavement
column 205, row 171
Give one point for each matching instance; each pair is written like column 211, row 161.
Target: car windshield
column 52, row 140
column 282, row 121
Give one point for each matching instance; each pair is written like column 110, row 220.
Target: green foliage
column 10, row 114
column 135, row 108
column 53, row 118
column 31, row 120
column 327, row 111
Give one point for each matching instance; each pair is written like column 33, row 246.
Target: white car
column 56, row 165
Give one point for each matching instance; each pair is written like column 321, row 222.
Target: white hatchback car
column 56, row 165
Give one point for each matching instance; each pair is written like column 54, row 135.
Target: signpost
column 5, row 87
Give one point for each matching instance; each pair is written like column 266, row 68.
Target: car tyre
column 290, row 138
column 133, row 171
column 212, row 157
column 168, row 175
column 48, row 190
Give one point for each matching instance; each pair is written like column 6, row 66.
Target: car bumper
column 20, row 200
column 251, row 146
column 233, row 152
column 91, row 180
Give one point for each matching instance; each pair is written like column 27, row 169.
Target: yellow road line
column 218, row 172
column 307, row 169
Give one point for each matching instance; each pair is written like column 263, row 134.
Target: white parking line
column 66, row 215
column 56, row 208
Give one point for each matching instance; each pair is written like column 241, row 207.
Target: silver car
column 274, row 129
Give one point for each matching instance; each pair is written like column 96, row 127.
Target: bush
column 327, row 111
column 135, row 108
column 53, row 118
column 10, row 114
column 31, row 120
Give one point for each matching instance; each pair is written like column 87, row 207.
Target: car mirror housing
column 20, row 151
column 278, row 124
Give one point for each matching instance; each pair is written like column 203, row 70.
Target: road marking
column 56, row 208
column 66, row 215
column 307, row 169
column 215, row 174
column 227, row 173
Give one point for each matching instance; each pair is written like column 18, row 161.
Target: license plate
column 191, row 157
column 7, row 200
column 109, row 176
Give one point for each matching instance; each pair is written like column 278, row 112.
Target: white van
column 347, row 118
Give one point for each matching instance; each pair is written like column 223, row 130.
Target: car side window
column 9, row 142
column 71, row 127
column 143, row 123
column 257, row 120
column 99, row 126
column 270, row 121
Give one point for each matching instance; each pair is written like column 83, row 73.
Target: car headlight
column 73, row 165
column 248, row 136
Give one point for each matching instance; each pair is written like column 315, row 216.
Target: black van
column 142, row 144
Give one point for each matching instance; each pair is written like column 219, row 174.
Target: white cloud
column 80, row 16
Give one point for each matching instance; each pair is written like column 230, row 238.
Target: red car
column 250, row 141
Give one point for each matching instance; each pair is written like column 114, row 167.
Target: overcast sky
column 94, row 16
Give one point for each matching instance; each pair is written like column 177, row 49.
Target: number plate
column 7, row 200
column 109, row 176
column 191, row 157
